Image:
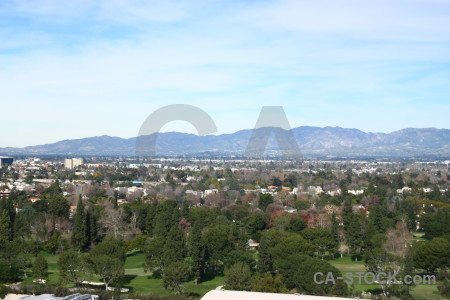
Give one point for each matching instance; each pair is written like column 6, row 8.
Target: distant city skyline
column 76, row 69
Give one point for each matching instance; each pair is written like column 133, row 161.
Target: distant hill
column 313, row 141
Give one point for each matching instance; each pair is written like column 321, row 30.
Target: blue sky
column 73, row 69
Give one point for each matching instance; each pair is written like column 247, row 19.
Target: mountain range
column 313, row 141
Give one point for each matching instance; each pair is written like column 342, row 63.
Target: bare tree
column 398, row 239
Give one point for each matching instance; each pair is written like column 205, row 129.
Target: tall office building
column 6, row 161
column 72, row 163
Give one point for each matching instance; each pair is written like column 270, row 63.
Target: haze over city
column 86, row 68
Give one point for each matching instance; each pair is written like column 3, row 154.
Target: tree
column 92, row 216
column 216, row 245
column 236, row 256
column 197, row 251
column 153, row 252
column 58, row 206
column 80, row 237
column 69, row 264
column 322, row 239
column 175, row 246
column 175, row 274
column 269, row 239
column 108, row 259
column 354, row 232
column 238, row 277
column 436, row 224
column 335, row 228
column 378, row 261
column 111, row 247
column 288, row 267
column 5, row 230
column 347, row 213
column 293, row 244
column 296, row 224
column 255, row 223
column 304, row 278
column 444, row 289
column 431, row 255
column 40, row 268
column 109, row 268
column 167, row 215
column 268, row 283
column 264, row 201
column 3, row 291
column 398, row 240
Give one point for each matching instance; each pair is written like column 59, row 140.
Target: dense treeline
column 184, row 239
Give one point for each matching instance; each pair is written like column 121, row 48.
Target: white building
column 238, row 295
column 356, row 192
column 72, row 163
column 315, row 190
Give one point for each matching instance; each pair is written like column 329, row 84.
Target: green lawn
column 426, row 292
column 140, row 282
column 346, row 264
column 52, row 260
column 135, row 278
column 418, row 236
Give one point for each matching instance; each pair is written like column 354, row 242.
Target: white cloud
column 316, row 58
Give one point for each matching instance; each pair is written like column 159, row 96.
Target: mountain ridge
column 331, row 141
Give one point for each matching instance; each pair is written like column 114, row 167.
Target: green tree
column 5, row 229
column 108, row 259
column 264, row 201
column 216, row 244
column 293, row 244
column 175, row 246
column 58, row 206
column 378, row 261
column 110, row 247
column 92, row 216
column 197, row 251
column 111, row 269
column 268, row 283
column 436, row 224
column 255, row 223
column 153, row 252
column 3, row 291
column 236, row 256
column 269, row 239
column 69, row 267
column 354, row 232
column 304, row 278
column 238, row 277
column 80, row 236
column 322, row 239
column 166, row 216
column 296, row 224
column 444, row 289
column 347, row 214
column 54, row 243
column 335, row 228
column 288, row 267
column 175, row 274
column 40, row 268
column 431, row 255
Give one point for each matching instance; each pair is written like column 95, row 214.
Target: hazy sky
column 73, row 69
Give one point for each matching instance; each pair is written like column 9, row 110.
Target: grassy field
column 140, row 282
column 418, row 236
column 346, row 264
column 135, row 278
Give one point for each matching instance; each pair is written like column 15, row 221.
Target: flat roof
column 242, row 295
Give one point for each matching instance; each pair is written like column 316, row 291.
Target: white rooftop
column 238, row 295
